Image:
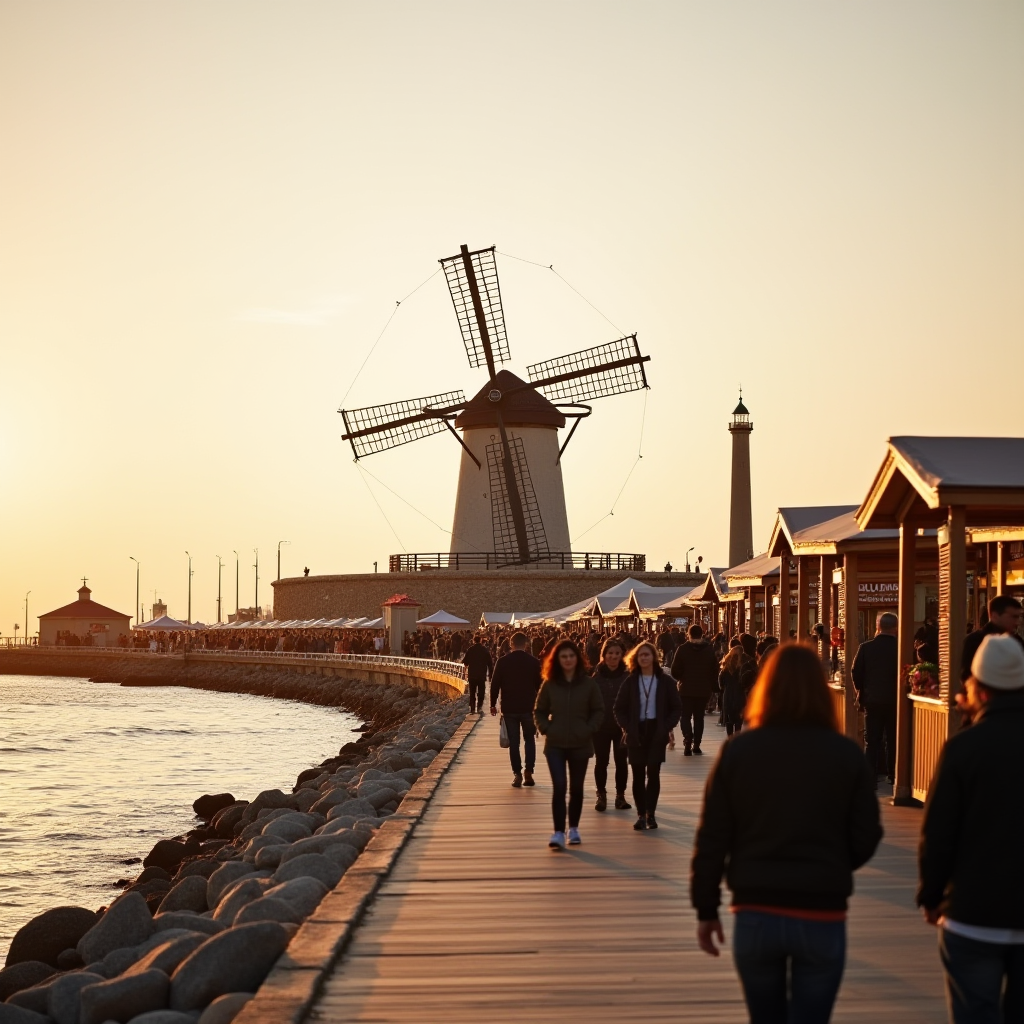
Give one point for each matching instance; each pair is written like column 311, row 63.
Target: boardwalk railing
column 454, row 669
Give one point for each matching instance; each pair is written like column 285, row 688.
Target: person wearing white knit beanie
column 972, row 843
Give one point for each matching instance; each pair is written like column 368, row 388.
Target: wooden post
column 956, row 613
column 803, row 597
column 1000, row 570
column 851, row 641
column 825, row 604
column 902, row 795
column 783, row 628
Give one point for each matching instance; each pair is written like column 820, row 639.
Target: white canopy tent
column 166, row 623
column 442, row 620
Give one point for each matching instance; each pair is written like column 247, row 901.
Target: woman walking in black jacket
column 789, row 814
column 647, row 709
column 610, row 673
column 569, row 710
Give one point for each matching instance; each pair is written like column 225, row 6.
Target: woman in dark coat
column 788, row 859
column 647, row 709
column 568, row 711
column 735, row 680
column 610, row 673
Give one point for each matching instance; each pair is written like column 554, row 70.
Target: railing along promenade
column 431, row 674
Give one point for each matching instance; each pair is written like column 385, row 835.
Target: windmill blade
column 612, row 369
column 473, row 283
column 376, row 428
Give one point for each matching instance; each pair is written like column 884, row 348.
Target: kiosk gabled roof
column 921, row 476
column 791, row 521
column 753, row 572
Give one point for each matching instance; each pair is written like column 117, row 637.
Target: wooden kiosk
column 952, row 484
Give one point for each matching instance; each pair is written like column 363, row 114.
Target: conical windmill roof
column 526, row 408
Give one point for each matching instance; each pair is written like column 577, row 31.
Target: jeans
column 513, row 725
column 974, row 980
column 476, row 694
column 606, row 746
column 771, row 950
column 879, row 722
column 559, row 759
column 692, row 721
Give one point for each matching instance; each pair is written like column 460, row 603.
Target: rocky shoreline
column 193, row 935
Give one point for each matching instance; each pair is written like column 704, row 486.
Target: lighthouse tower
column 741, row 531
column 483, row 521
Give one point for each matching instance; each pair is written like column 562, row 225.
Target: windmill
column 510, row 505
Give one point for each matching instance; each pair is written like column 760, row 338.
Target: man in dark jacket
column 516, row 680
column 876, row 673
column 1004, row 615
column 972, row 843
column 479, row 666
column 610, row 673
column 695, row 669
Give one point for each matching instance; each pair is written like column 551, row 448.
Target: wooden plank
column 480, row 920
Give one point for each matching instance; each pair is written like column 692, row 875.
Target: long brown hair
column 552, row 669
column 791, row 689
column 634, row 666
column 733, row 661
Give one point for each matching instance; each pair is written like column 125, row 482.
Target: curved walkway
column 480, row 921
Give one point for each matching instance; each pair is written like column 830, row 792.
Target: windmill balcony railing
column 476, row 560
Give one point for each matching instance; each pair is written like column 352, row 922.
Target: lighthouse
column 741, row 531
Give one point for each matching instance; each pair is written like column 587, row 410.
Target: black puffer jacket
column 789, row 814
column 972, row 838
column 695, row 666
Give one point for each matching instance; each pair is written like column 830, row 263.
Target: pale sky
column 208, row 210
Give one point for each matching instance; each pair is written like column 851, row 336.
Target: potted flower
column 923, row 679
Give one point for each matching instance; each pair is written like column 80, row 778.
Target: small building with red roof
column 93, row 623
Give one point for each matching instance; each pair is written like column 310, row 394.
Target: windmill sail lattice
column 502, row 522
column 376, row 428
column 480, row 316
column 612, row 369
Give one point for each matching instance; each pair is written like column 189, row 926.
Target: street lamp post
column 279, row 543
column 220, row 565
column 189, row 588
column 27, row 592
column 688, row 550
column 138, row 620
column 256, row 603
column 236, row 585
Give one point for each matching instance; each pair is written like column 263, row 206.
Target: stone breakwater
column 192, row 937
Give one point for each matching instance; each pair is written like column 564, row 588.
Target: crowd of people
column 303, row 641
column 790, row 871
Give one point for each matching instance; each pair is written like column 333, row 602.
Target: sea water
column 93, row 774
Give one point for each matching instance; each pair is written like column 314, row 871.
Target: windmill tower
column 510, row 504
column 741, row 530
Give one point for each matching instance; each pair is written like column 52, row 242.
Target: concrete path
column 480, row 921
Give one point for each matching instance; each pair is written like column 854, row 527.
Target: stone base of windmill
column 465, row 593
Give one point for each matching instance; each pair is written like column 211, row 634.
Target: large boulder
column 310, row 865
column 209, row 804
column 332, row 798
column 168, row 854
column 203, row 866
column 268, row 857
column 231, row 902
column 121, row 999
column 224, row 821
column 23, row 975
column 188, row 894
column 166, row 956
column 185, row 919
column 235, row 961
column 47, row 935
column 127, row 922
column 63, row 995
column 303, row 893
column 267, row 908
column 34, row 998
column 305, row 798
column 11, row 1014
column 116, row 961
column 287, row 830
column 224, row 876
column 224, row 1009
column 269, row 798
column 163, row 1017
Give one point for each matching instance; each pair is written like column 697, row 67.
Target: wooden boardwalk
column 480, row 921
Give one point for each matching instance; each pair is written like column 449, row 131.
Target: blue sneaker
column 557, row 841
